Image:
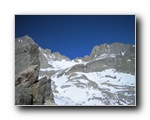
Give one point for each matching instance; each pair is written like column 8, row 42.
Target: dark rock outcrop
column 44, row 57
column 75, row 68
column 42, row 93
column 115, row 48
column 23, row 95
column 86, row 58
column 59, row 57
column 27, row 67
column 123, row 59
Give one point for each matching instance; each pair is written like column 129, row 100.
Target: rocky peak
column 19, row 42
column 86, row 58
column 114, row 48
column 78, row 59
column 59, row 57
column 101, row 49
column 26, row 54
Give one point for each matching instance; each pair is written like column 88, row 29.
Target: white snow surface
column 128, row 60
column 91, row 91
column 60, row 65
column 103, row 56
column 123, row 53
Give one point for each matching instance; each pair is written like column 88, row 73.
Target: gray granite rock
column 26, row 54
column 28, row 89
column 42, row 92
column 23, row 95
column 27, row 77
column 75, row 68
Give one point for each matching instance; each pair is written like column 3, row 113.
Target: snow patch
column 80, row 61
column 103, row 56
column 40, row 48
column 45, row 56
column 64, row 64
column 78, row 75
column 46, row 69
column 112, row 55
column 128, row 60
column 53, row 56
column 39, row 77
column 122, row 53
column 108, row 48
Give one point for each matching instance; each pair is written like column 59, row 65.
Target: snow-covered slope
column 60, row 65
column 106, row 77
column 96, row 88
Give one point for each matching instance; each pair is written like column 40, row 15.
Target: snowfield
column 96, row 88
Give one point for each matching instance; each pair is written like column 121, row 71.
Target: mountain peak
column 114, row 48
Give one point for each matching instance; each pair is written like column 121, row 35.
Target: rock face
column 75, row 68
column 42, row 93
column 23, row 95
column 26, row 54
column 114, row 48
column 116, row 56
column 28, row 76
column 43, row 59
column 27, row 67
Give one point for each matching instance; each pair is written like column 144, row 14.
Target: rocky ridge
column 118, row 56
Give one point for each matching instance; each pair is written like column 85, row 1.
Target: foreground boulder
column 23, row 92
column 23, row 95
column 42, row 93
column 28, row 89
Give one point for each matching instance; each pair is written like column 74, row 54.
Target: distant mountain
column 106, row 77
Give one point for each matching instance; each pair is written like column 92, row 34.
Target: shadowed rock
column 23, row 95
column 42, row 93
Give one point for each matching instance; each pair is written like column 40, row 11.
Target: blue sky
column 76, row 35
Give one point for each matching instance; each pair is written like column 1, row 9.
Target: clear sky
column 76, row 35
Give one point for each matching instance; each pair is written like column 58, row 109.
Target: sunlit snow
column 76, row 90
